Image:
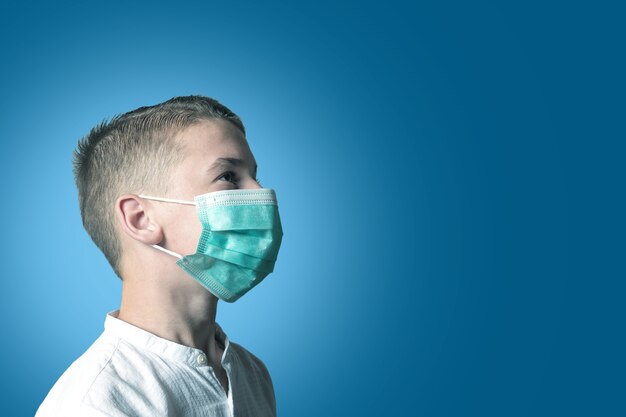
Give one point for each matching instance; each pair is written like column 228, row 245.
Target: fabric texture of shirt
column 128, row 371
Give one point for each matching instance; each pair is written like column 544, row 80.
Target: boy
column 169, row 194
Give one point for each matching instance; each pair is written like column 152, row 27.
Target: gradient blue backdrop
column 449, row 178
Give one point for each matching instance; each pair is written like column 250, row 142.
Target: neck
column 184, row 314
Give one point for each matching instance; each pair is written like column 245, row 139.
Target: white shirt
column 128, row 371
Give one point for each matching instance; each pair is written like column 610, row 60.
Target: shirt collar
column 163, row 347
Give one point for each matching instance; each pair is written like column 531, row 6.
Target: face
column 203, row 171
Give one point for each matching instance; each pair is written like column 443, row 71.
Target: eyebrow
column 224, row 162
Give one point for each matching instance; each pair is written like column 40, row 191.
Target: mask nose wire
column 168, row 200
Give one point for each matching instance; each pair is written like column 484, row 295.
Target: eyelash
column 236, row 178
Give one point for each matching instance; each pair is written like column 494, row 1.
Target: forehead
column 208, row 140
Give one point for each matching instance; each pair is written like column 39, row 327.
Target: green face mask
column 238, row 247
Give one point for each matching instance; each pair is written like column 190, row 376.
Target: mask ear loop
column 169, row 252
column 168, row 200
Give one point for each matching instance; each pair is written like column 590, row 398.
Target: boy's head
column 145, row 151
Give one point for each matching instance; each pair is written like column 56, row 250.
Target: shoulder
column 111, row 378
column 73, row 385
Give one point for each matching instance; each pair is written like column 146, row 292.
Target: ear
column 134, row 220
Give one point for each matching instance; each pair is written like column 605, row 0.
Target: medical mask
column 239, row 243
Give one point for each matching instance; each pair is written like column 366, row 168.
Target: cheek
column 184, row 234
column 193, row 230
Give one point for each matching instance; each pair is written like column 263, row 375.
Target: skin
column 157, row 295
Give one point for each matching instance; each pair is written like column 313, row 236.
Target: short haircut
column 134, row 153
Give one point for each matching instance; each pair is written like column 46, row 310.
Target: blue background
column 450, row 179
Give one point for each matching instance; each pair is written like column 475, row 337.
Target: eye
column 229, row 174
column 231, row 177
